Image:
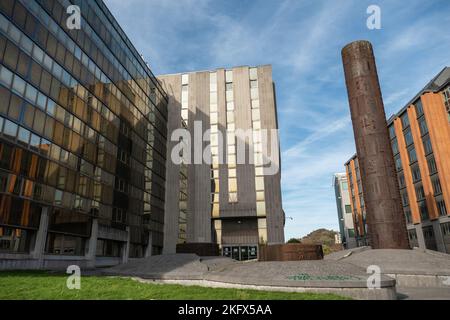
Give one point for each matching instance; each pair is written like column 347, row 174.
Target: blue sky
column 302, row 40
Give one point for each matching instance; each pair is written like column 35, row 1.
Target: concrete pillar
column 385, row 219
column 420, row 237
column 126, row 248
column 92, row 245
column 438, row 236
column 41, row 237
column 148, row 250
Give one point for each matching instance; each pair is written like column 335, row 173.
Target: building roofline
column 430, row 87
column 211, row 70
column 352, row 158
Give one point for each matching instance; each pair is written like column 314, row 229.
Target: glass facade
column 83, row 129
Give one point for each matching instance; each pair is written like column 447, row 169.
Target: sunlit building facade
column 83, row 129
column 344, row 210
column 420, row 138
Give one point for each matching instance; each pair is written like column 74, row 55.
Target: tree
column 293, row 240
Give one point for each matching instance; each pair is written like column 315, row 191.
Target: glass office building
column 83, row 129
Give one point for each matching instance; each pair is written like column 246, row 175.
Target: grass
column 41, row 285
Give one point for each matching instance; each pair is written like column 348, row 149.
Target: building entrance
column 240, row 253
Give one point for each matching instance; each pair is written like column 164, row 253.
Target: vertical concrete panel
column 243, row 120
column 199, row 83
column 222, row 111
column 92, row 245
column 172, row 85
column 41, row 237
column 272, row 183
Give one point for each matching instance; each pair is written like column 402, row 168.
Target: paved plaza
column 406, row 274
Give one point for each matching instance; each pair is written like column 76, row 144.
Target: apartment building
column 234, row 204
column 344, row 209
column 420, row 138
column 83, row 128
column 357, row 201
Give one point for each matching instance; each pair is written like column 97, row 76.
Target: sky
column 302, row 40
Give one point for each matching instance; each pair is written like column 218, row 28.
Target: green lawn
column 30, row 285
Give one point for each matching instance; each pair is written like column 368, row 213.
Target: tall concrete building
column 420, row 139
column 234, row 204
column 344, row 210
column 82, row 140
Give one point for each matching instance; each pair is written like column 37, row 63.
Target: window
column 441, row 207
column 405, row 120
column 232, row 197
column 260, row 208
column 232, row 185
column 395, row 146
column 427, row 145
column 423, row 126
column 412, row 235
column 19, row 86
column 253, row 84
column 253, row 73
column 436, row 186
column 401, row 180
column 6, row 77
column 416, row 174
column 10, row 129
column 348, row 209
column 228, row 76
column 108, row 248
column 419, row 108
column 432, row 165
column 344, row 185
column 423, row 211
column 408, row 137
column 405, row 199
column 254, row 93
column 15, row 240
column 420, row 193
column 65, row 245
column 259, row 183
column 392, row 131
column 412, row 155
column 255, row 104
column 351, row 233
column 398, row 163
column 408, row 216
column 260, row 196
column 24, row 135
column 445, row 227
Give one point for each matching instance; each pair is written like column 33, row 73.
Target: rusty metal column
column 384, row 213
